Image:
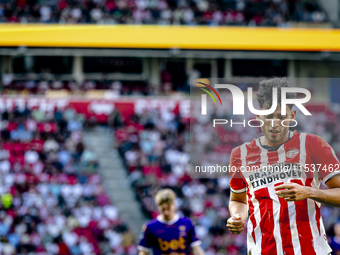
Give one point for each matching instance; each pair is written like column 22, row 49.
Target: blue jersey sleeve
column 192, row 238
column 145, row 242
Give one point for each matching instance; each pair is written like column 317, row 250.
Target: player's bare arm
column 238, row 212
column 197, row 250
column 296, row 192
column 143, row 253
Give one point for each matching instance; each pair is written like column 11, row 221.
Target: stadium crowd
column 44, row 82
column 187, row 12
column 155, row 146
column 52, row 196
column 112, row 88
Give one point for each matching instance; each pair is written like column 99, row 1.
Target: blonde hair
column 165, row 196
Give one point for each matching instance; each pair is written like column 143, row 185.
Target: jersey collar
column 258, row 141
column 174, row 220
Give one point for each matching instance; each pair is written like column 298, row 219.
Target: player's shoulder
column 151, row 223
column 312, row 139
column 185, row 220
column 236, row 152
column 312, row 136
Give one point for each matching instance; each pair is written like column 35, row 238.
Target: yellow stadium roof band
column 167, row 37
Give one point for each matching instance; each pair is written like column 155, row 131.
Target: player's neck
column 265, row 141
column 168, row 218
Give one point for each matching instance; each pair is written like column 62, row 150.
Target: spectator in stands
column 64, row 156
column 50, row 144
column 203, row 12
column 115, row 119
column 31, row 156
column 166, row 81
column 49, row 200
column 5, row 165
column 74, row 124
column 7, row 77
column 21, row 134
column 38, row 115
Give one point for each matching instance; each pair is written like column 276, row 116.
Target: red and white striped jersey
column 276, row 226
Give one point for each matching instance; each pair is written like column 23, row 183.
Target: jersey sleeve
column 192, row 238
column 324, row 154
column 237, row 182
column 145, row 239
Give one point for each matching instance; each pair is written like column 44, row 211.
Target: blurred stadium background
column 95, row 113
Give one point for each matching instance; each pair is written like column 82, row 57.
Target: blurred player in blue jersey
column 169, row 233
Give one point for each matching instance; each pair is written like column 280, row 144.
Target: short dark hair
column 265, row 93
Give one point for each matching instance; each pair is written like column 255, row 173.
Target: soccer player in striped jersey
column 280, row 190
column 169, row 233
